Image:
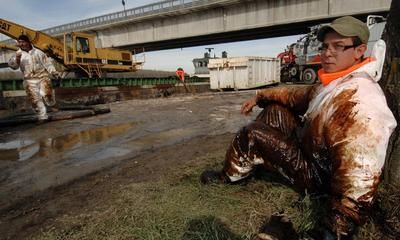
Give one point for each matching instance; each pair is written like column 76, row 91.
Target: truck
column 246, row 72
column 300, row 61
column 76, row 51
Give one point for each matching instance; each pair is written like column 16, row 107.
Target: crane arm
column 44, row 42
column 8, row 47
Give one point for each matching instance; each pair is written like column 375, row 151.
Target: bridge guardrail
column 129, row 14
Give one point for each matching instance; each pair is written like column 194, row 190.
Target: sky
column 42, row 14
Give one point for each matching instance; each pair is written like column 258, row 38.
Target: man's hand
column 248, row 105
column 56, row 75
column 57, row 79
column 18, row 55
column 340, row 225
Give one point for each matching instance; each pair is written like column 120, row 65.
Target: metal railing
column 17, row 84
column 129, row 14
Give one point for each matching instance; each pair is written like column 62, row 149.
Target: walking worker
column 180, row 73
column 36, row 68
column 338, row 144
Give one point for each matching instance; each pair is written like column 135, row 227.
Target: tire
column 293, row 71
column 285, row 75
column 309, row 76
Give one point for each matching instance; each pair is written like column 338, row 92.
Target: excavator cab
column 76, row 45
column 82, row 45
column 81, row 53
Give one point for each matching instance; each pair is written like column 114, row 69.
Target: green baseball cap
column 346, row 26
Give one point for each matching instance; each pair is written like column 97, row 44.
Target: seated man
column 338, row 145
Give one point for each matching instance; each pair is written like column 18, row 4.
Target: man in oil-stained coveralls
column 338, row 144
column 36, row 68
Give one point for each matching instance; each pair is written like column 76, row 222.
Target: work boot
column 53, row 108
column 42, row 121
column 210, row 176
column 278, row 227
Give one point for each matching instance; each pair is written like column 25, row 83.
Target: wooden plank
column 77, row 112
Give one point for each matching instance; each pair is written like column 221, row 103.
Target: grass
column 179, row 207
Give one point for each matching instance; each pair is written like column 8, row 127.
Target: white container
column 243, row 72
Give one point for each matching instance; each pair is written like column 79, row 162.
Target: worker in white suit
column 36, row 68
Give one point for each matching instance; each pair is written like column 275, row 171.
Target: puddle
column 20, row 150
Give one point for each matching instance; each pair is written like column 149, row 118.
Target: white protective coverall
column 338, row 147
column 36, row 67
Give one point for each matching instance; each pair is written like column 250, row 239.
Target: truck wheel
column 309, row 76
column 285, row 75
column 293, row 71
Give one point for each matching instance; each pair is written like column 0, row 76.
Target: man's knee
column 49, row 100
column 242, row 156
column 279, row 118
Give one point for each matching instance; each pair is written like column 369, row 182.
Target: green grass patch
column 179, row 207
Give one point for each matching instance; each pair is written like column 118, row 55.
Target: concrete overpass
column 184, row 23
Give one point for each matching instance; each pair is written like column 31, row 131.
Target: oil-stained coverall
column 337, row 145
column 36, row 67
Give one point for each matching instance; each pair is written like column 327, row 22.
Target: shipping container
column 243, row 72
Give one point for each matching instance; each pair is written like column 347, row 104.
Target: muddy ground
column 63, row 167
column 133, row 174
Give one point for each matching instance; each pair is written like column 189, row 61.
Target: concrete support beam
column 231, row 22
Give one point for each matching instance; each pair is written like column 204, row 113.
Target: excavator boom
column 8, row 47
column 46, row 43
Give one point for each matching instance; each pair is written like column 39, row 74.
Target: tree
column 390, row 83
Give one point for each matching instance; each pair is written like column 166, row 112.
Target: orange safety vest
column 180, row 74
column 326, row 78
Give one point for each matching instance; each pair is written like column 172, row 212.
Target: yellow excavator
column 76, row 51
